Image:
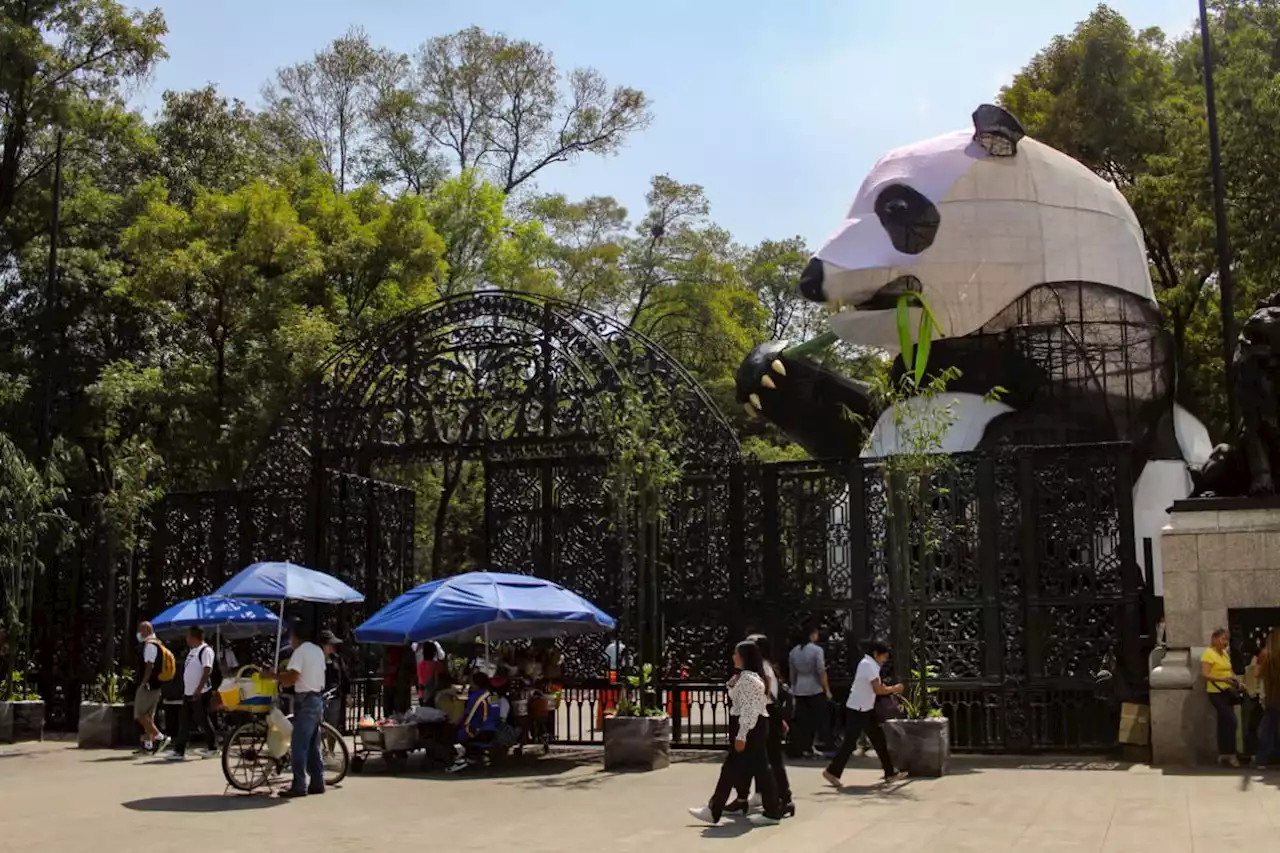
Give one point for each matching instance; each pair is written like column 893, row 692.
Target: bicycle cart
column 254, row 753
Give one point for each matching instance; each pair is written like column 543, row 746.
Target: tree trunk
column 112, row 546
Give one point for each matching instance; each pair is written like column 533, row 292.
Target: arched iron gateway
column 1033, row 586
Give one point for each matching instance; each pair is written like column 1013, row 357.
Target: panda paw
column 760, row 377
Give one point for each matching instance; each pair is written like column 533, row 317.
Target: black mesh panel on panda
column 1079, row 362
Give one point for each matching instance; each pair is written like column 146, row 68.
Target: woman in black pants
column 748, row 756
column 773, row 746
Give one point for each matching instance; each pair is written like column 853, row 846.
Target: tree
column 57, row 58
column 500, row 105
column 584, row 247
column 327, row 98
column 30, row 508
column 771, row 271
column 233, row 282
column 683, row 286
column 208, row 142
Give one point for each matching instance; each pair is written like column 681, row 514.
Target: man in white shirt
column 860, row 715
column 196, row 686
column 306, row 676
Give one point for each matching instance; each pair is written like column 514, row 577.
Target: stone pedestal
column 1216, row 555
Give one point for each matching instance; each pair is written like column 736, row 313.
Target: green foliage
column 19, row 688
column 112, row 688
column 30, row 508
column 918, row 700
column 640, row 699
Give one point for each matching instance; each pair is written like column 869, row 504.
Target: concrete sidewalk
column 55, row 797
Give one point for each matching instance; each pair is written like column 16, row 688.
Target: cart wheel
column 335, row 753
column 245, row 761
column 396, row 761
column 357, row 764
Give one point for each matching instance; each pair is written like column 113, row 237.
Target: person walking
column 157, row 667
column 1221, row 684
column 335, row 679
column 1269, row 675
column 748, row 757
column 197, row 676
column 306, row 676
column 773, row 746
column 807, row 664
column 860, row 715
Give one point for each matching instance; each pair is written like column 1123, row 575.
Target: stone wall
column 1213, row 560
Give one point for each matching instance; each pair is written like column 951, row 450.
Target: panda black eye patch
column 910, row 219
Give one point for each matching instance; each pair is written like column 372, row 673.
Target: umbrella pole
column 486, row 644
column 279, row 634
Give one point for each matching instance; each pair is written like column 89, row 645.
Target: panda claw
column 767, row 381
column 750, row 410
column 755, row 401
column 777, row 367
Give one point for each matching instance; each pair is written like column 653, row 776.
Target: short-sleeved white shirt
column 862, row 696
column 197, row 660
column 149, row 652
column 308, row 661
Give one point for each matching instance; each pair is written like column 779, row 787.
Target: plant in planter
column 22, row 712
column 106, row 720
column 920, row 742
column 916, row 477
column 641, row 431
column 638, row 733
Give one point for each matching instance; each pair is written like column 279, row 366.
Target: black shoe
column 738, row 806
column 314, row 792
column 788, row 810
column 290, row 794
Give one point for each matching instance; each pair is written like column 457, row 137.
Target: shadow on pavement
column 203, row 803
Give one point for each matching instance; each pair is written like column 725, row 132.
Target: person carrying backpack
column 158, row 666
column 197, row 684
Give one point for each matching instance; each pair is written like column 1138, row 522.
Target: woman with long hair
column 748, row 757
column 773, row 746
column 1269, row 672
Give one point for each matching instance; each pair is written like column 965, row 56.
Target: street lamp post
column 1226, row 288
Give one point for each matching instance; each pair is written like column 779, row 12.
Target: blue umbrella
column 233, row 619
column 501, row 606
column 279, row 581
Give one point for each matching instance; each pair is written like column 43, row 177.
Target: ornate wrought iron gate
column 1034, row 584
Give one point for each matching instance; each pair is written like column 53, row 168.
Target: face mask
column 140, row 637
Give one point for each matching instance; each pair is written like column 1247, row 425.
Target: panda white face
column 973, row 220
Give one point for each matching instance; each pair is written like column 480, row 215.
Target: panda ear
column 996, row 130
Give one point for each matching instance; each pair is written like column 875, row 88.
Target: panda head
column 972, row 220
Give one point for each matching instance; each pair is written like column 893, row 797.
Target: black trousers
column 751, row 763
column 857, row 723
column 1225, row 711
column 195, row 710
column 812, row 725
column 773, row 750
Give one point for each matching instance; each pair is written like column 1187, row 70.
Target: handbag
column 786, row 702
column 887, row 708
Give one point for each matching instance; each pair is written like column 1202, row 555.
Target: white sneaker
column 755, row 802
column 160, row 744
column 205, row 753
column 763, row 820
column 703, row 813
column 173, row 756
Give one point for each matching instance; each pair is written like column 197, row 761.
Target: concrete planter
column 106, row 726
column 642, row 743
column 920, row 747
column 21, row 721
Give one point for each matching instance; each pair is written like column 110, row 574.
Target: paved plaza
column 55, row 797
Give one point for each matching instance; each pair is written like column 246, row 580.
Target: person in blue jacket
column 481, row 718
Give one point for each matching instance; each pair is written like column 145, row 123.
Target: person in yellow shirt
column 1220, row 682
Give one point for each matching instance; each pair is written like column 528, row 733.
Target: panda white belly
column 969, row 417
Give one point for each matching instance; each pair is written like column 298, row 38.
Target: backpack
column 786, row 701
column 168, row 665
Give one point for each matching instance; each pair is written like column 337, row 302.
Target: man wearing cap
column 335, row 679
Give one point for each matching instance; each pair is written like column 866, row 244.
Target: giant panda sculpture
column 1036, row 270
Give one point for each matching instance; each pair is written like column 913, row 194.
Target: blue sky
column 777, row 109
